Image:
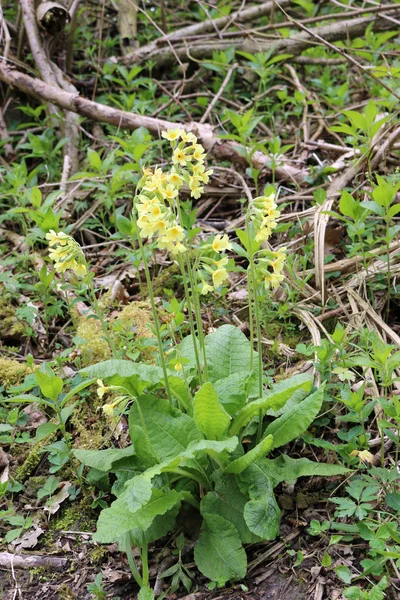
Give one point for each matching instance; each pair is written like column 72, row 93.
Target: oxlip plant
column 202, row 424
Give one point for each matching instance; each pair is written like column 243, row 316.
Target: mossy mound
column 93, row 346
column 10, row 325
column 12, row 372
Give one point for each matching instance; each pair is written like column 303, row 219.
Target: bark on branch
column 295, row 45
column 220, row 149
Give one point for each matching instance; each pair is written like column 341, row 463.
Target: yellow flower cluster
column 270, row 266
column 264, row 215
column 156, row 202
column 218, row 269
column 66, row 253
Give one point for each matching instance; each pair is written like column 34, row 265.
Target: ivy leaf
column 211, row 419
column 219, row 553
column 296, row 420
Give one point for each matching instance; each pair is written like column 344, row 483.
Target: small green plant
column 97, row 588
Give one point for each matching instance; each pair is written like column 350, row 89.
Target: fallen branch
column 240, row 16
column 52, row 75
column 32, row 561
column 220, row 149
column 295, row 45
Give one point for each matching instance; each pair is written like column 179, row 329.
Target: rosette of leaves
column 196, row 455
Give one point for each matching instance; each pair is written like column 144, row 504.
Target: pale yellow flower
column 175, row 179
column 169, row 192
column 221, row 262
column 178, row 366
column 189, row 138
column 160, row 226
column 179, row 156
column 174, row 234
column 219, row 276
column 66, row 265
column 172, row 134
column 101, row 388
column 147, row 228
column 80, row 270
column 198, row 153
column 205, row 287
column 200, row 172
column 263, row 234
column 57, row 238
column 272, row 280
column 108, row 410
column 178, row 248
column 195, row 187
column 221, row 243
column 363, row 455
column 154, row 213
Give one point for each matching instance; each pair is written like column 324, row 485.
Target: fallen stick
column 295, row 45
column 220, row 149
column 32, row 561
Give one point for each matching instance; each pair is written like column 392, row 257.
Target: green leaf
column 94, row 159
column 44, row 430
column 289, row 469
column 117, row 520
column 124, row 368
column 343, row 573
column 124, row 225
column 347, row 205
column 75, row 390
column 145, row 593
column 296, row 420
column 103, row 460
column 259, row 451
column 28, row 398
column 393, row 500
column 275, row 399
column 168, row 430
column 227, row 351
column 219, row 553
column 50, row 385
column 262, row 516
column 232, row 391
column 138, row 489
column 228, row 501
column 211, row 419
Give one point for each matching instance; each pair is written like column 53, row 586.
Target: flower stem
column 191, row 322
column 156, row 320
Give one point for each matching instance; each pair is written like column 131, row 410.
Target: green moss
column 90, row 437
column 77, row 517
column 97, row 554
column 136, row 316
column 94, row 348
column 65, row 593
column 12, row 372
column 32, row 460
column 10, row 326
